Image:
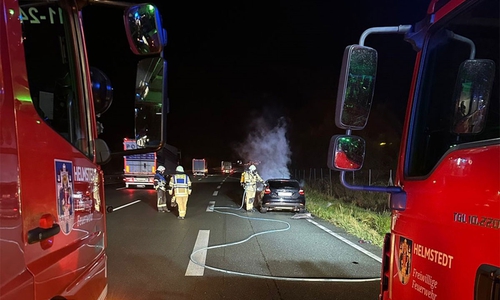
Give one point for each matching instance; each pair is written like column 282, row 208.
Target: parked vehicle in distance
column 139, row 169
column 281, row 194
column 199, row 167
column 227, row 167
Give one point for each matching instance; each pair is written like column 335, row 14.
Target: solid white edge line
column 201, row 242
column 347, row 241
column 128, row 204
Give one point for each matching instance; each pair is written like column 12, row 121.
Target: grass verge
column 368, row 225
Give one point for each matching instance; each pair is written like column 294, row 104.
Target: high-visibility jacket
column 250, row 179
column 180, row 185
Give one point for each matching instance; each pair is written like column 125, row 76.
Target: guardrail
column 363, row 177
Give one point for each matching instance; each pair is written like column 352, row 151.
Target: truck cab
column 445, row 203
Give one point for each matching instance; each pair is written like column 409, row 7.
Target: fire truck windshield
column 51, row 69
column 447, row 67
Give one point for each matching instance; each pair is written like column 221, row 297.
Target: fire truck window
column 431, row 133
column 50, row 64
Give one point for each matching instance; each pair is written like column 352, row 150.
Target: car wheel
column 302, row 210
column 263, row 210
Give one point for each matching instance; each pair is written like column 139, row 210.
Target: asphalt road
column 221, row 252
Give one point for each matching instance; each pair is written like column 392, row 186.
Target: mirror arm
column 465, row 40
column 368, row 188
column 165, row 99
column 402, row 29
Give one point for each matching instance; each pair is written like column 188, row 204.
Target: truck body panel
column 139, row 169
column 433, row 251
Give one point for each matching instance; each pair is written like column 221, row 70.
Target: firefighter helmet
column 179, row 169
column 252, row 168
column 160, row 169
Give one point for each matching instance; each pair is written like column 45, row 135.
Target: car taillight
column 267, row 191
column 301, row 191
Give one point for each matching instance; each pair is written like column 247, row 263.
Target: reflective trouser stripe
column 249, row 198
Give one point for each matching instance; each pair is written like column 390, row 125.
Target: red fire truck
column 444, row 241
column 52, row 206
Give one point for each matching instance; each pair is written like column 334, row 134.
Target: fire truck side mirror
column 102, row 153
column 150, row 106
column 346, row 153
column 102, row 91
column 144, row 30
column 472, row 95
column 356, row 87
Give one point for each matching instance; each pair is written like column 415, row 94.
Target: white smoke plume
column 268, row 147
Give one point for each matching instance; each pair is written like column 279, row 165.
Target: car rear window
column 283, row 184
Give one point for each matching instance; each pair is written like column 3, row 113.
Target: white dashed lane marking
column 211, row 206
column 125, row 205
column 201, row 242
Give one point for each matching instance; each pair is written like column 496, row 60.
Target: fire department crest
column 404, row 259
column 64, row 188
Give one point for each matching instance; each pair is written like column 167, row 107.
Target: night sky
column 231, row 62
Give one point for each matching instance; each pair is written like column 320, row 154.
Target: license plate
column 284, row 194
column 141, row 179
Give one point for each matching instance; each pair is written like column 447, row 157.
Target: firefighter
column 249, row 180
column 160, row 185
column 179, row 188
